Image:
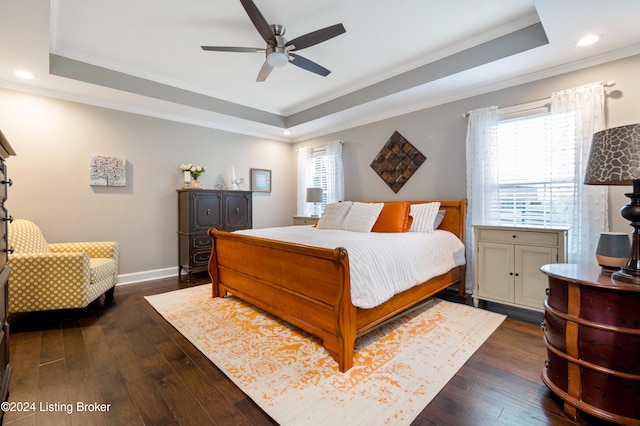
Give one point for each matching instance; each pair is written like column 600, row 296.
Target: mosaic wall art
column 108, row 171
column 397, row 161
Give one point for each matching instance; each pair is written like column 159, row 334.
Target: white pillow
column 333, row 215
column 362, row 217
column 424, row 216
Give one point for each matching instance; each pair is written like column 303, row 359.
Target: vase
column 196, row 184
column 187, row 179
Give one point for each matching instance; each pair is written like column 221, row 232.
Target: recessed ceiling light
column 24, row 74
column 588, row 40
column 286, row 132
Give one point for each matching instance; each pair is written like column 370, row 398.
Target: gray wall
column 54, row 139
column 439, row 133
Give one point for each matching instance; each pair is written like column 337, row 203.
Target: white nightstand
column 305, row 220
column 508, row 261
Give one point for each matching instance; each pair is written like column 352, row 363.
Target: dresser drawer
column 201, row 241
column 201, row 258
column 3, row 250
column 3, row 178
column 518, row 237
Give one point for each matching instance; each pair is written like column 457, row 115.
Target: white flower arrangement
column 195, row 171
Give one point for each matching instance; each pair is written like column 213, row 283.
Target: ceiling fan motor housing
column 277, row 56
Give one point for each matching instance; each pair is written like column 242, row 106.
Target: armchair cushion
column 60, row 276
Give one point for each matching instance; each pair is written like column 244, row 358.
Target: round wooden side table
column 592, row 333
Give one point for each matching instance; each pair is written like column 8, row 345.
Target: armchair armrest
column 34, row 269
column 104, row 249
column 44, row 281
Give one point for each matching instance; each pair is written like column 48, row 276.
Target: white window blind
column 536, row 172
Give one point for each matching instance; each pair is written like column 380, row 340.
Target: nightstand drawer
column 518, row 237
column 304, row 220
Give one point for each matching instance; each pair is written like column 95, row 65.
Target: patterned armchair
column 57, row 276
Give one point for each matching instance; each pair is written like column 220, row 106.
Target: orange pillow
column 394, row 217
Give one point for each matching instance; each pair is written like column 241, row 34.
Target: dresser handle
column 10, row 182
column 9, row 219
column 238, row 210
column 9, row 250
column 543, row 326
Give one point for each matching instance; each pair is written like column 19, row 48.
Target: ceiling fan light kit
column 278, row 49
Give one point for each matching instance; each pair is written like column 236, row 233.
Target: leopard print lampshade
column 615, row 156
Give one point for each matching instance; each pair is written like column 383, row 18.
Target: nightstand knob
column 8, row 219
column 547, row 363
column 543, row 326
column 547, row 291
column 9, row 250
column 10, row 182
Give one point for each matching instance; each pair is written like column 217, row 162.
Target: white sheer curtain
column 329, row 175
column 335, row 172
column 482, row 174
column 304, row 178
column 577, row 114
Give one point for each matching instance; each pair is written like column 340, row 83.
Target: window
column 320, row 167
column 536, row 173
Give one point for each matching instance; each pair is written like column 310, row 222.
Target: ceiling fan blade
column 264, row 71
column 233, row 49
column 316, row 37
column 308, row 65
column 259, row 22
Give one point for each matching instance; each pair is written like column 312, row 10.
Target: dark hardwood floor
column 126, row 355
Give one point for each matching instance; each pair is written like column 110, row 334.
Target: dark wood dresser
column 592, row 333
column 5, row 365
column 201, row 209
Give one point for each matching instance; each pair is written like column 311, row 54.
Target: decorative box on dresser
column 5, row 365
column 508, row 260
column 592, row 334
column 201, row 209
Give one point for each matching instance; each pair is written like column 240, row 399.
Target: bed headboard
column 454, row 218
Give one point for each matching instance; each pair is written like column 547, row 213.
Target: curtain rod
column 321, row 147
column 609, row 83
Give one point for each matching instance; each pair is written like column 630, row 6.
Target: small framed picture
column 261, row 180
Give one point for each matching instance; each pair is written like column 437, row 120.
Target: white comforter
column 381, row 264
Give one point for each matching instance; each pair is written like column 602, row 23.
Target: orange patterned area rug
column 399, row 367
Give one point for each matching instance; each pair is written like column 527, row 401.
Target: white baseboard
column 154, row 274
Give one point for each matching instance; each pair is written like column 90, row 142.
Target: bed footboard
column 305, row 286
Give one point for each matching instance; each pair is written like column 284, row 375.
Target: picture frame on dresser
column 261, row 180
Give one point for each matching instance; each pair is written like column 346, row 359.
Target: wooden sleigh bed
column 309, row 287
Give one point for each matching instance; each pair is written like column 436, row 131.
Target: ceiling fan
column 278, row 49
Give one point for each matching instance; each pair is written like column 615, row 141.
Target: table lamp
column 314, row 195
column 615, row 160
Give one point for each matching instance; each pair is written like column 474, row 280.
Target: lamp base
column 627, row 276
column 630, row 273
